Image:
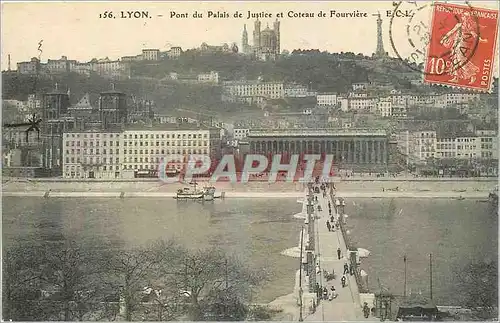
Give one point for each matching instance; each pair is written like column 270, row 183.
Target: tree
column 217, row 285
column 21, row 283
column 76, row 272
column 138, row 268
column 478, row 287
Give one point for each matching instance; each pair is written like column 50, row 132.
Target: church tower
column 256, row 36
column 277, row 33
column 244, row 40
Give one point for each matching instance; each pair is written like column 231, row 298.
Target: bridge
column 319, row 258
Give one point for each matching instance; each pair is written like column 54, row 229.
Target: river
column 259, row 230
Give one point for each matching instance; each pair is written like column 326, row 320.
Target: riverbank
column 384, row 188
column 352, row 187
column 95, row 194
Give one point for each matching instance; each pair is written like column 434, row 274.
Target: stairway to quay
column 325, row 259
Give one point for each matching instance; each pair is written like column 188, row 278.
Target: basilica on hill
column 266, row 43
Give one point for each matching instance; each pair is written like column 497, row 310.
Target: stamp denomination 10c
column 467, row 35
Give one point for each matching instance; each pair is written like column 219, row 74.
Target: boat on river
column 208, row 193
column 193, row 193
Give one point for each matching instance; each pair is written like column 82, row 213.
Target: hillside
column 321, row 71
column 171, row 98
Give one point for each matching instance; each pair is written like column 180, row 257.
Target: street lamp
column 300, row 274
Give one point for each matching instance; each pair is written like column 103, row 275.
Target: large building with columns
column 348, row 146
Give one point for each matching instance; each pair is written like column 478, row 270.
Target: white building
column 212, row 77
column 107, row 67
column 149, row 54
column 423, row 145
column 267, row 90
column 81, row 68
column 297, row 91
column 344, row 103
column 362, row 104
column 144, row 149
column 384, row 107
column 174, row 52
column 483, row 144
column 62, row 65
column 326, row 99
column 114, row 154
column 92, row 154
column 360, row 86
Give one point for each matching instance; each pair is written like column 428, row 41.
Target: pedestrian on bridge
column 329, row 227
column 346, row 269
column 351, row 270
column 343, row 281
column 339, row 253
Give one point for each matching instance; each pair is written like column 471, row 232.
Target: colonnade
column 352, row 151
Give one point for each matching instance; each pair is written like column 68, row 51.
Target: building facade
column 174, row 52
column 350, row 146
column 31, row 67
column 326, row 99
column 149, row 54
column 117, row 153
column 242, row 89
column 480, row 145
column 212, row 78
column 240, row 133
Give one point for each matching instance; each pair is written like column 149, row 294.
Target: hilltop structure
column 266, row 43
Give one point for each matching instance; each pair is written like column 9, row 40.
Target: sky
column 76, row 30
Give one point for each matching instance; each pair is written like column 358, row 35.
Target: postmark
column 410, row 32
column 469, row 42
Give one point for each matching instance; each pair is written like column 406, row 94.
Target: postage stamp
column 462, row 46
column 410, row 32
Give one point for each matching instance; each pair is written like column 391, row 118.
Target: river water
column 455, row 232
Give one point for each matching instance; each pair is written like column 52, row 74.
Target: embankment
column 350, row 188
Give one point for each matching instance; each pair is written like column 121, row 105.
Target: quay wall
column 366, row 187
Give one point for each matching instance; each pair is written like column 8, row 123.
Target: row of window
column 90, row 143
column 167, row 143
column 93, row 135
column 140, row 143
column 168, row 136
column 92, row 160
column 97, row 151
column 463, row 147
column 137, row 136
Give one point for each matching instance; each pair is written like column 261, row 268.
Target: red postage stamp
column 462, row 46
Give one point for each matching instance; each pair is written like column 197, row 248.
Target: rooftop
column 315, row 132
column 146, row 127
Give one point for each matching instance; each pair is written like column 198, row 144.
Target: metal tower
column 380, row 43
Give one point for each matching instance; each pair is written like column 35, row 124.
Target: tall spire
column 244, row 40
column 380, row 44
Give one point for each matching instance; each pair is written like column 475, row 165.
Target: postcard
column 250, row 161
